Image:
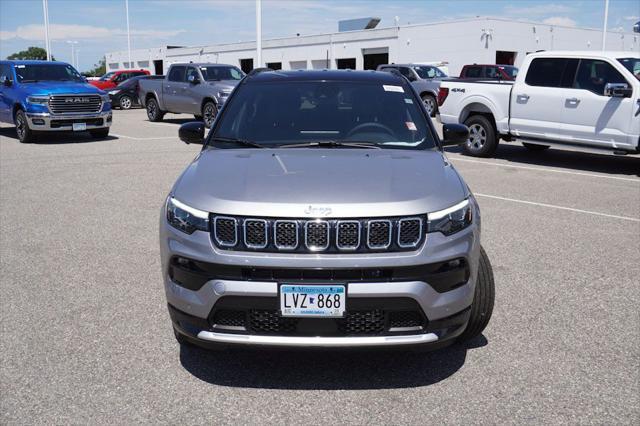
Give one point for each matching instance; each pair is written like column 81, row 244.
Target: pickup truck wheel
column 482, row 140
column 99, row 133
column 430, row 104
column 534, row 147
column 126, row 102
column 153, row 110
column 25, row 134
column 483, row 299
column 209, row 112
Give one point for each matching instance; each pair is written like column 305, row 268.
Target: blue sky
column 99, row 25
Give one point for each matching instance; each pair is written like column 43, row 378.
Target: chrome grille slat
column 348, row 234
column 89, row 104
column 316, row 235
column 285, row 234
column 379, row 234
column 409, row 231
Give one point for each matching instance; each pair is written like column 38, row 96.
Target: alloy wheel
column 125, row 102
column 477, row 137
column 20, row 126
column 209, row 114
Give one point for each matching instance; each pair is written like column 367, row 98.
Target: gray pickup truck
column 193, row 88
column 424, row 78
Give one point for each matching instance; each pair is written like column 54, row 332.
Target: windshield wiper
column 333, row 144
column 244, row 142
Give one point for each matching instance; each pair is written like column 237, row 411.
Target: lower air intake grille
column 230, row 318
column 268, row 321
column 362, row 322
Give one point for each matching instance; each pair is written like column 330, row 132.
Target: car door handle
column 573, row 101
column 524, row 97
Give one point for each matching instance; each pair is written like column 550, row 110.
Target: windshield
column 632, row 64
column 107, row 76
column 429, row 72
column 46, row 72
column 221, row 73
column 285, row 113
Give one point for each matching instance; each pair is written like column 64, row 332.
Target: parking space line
column 541, row 169
column 552, row 206
column 142, row 139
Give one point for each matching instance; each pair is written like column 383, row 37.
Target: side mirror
column 193, row 79
column 617, row 90
column 5, row 81
column 454, row 134
column 412, row 77
column 192, row 132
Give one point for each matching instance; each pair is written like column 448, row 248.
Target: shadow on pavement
column 325, row 370
column 179, row 121
column 56, row 138
column 579, row 161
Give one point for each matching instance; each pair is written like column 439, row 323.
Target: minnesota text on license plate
column 312, row 300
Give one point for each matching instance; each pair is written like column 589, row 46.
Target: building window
column 143, row 64
column 114, row 65
column 246, row 65
column 274, row 65
column 346, row 64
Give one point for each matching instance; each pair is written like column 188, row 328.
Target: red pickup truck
column 113, row 78
column 489, row 72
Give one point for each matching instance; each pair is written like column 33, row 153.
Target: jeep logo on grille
column 77, row 100
column 317, row 211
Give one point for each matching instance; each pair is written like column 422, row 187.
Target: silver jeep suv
column 322, row 212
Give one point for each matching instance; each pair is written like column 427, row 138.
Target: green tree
column 99, row 69
column 32, row 53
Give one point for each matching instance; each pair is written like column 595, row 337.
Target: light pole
column 73, row 55
column 604, row 28
column 126, row 5
column 47, row 42
column 78, row 59
column 259, row 32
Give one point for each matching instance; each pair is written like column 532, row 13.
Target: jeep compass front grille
column 318, row 235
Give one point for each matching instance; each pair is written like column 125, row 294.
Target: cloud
column 538, row 10
column 560, row 21
column 35, row 32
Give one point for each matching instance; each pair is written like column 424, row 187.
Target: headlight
column 105, row 98
column 223, row 94
column 114, row 92
column 450, row 220
column 185, row 218
column 42, row 100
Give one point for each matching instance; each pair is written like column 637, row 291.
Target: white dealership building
column 458, row 42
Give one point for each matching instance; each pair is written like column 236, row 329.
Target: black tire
column 209, row 112
column 482, row 140
column 99, row 133
column 483, row 299
column 25, row 134
column 154, row 113
column 430, row 104
column 197, row 117
column 534, row 147
column 125, row 102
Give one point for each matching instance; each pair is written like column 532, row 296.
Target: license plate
column 312, row 300
column 79, row 127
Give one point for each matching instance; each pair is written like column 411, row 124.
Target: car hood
column 61, row 88
column 337, row 182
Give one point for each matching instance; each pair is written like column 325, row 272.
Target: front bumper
column 194, row 301
column 50, row 122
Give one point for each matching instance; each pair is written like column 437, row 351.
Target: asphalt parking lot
column 86, row 337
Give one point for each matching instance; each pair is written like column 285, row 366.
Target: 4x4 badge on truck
column 317, row 211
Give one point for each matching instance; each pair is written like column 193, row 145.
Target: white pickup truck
column 582, row 100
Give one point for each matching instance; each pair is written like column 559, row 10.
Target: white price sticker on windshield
column 388, row 88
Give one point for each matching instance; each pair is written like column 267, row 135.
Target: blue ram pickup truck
column 42, row 96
